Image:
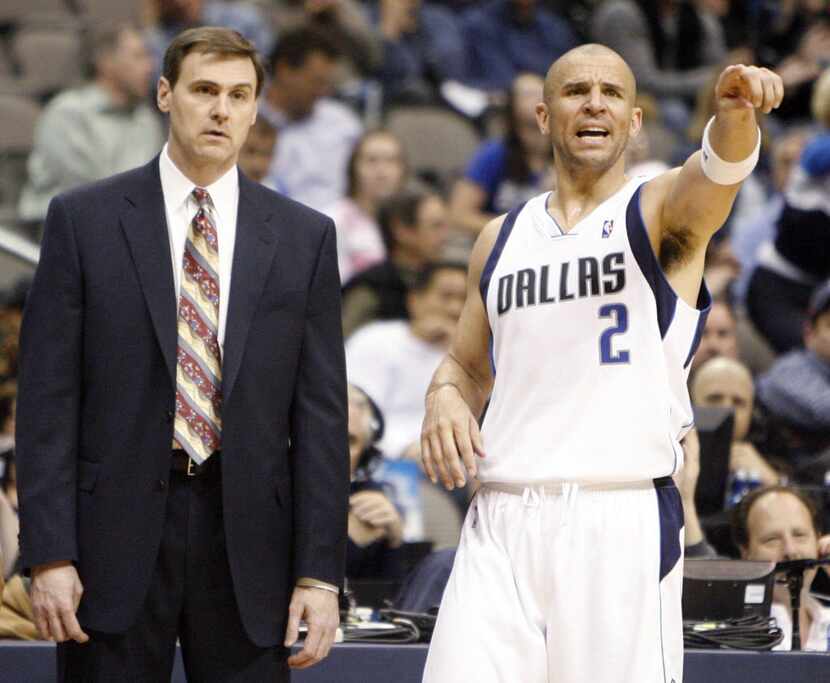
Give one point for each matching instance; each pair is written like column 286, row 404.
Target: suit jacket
column 96, row 400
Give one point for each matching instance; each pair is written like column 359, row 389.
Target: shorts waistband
column 562, row 487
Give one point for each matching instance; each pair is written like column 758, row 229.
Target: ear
column 636, row 122
column 163, row 94
column 254, row 115
column 543, row 118
column 744, row 550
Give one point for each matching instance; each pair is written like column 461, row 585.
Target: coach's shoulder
column 291, row 215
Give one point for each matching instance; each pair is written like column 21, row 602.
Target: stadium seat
column 437, row 141
column 442, row 519
column 24, row 11
column 109, row 10
column 49, row 59
column 19, row 115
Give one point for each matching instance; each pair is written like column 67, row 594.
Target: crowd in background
column 340, row 72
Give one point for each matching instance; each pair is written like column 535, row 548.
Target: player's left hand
column 321, row 611
column 748, row 87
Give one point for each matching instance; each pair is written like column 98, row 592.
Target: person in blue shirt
column 507, row 171
column 507, row 37
column 422, row 48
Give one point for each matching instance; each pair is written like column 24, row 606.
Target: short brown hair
column 740, row 513
column 209, row 40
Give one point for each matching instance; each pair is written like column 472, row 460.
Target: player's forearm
column 453, row 373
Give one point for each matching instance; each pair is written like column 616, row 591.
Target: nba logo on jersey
column 607, row 227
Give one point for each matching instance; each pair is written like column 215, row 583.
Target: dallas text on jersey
column 528, row 287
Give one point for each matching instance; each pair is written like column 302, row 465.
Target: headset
column 371, row 456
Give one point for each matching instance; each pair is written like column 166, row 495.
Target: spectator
column 796, row 390
column 168, row 18
column 719, row 334
column 672, row 47
column 375, row 525
column 316, row 133
column 780, row 523
column 346, row 24
column 82, row 134
column 16, row 616
column 9, row 524
column 726, row 383
column 799, row 258
column 757, row 229
column 794, row 38
column 376, row 170
column 258, row 151
column 422, row 48
column 394, row 359
column 414, row 228
column 507, row 37
column 506, row 172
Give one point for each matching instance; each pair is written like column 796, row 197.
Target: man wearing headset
column 375, row 525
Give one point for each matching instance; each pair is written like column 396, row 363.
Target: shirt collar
column 177, row 187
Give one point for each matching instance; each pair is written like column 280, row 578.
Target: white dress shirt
column 180, row 207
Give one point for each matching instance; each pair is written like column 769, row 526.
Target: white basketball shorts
column 565, row 584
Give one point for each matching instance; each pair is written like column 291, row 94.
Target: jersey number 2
column 618, row 313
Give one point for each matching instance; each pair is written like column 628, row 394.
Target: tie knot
column 202, row 197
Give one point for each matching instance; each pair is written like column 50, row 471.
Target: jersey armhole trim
column 638, row 239
column 704, row 305
column 495, row 253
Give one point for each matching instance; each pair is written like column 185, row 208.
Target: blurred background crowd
column 411, row 123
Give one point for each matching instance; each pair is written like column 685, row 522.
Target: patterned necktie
column 198, row 425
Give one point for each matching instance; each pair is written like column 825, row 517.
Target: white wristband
column 726, row 172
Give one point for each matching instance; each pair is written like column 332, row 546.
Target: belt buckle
column 190, row 471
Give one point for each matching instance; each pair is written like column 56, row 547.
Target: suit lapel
column 144, row 224
column 254, row 250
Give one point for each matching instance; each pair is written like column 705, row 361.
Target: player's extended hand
column 748, row 87
column 56, row 594
column 321, row 611
column 449, row 436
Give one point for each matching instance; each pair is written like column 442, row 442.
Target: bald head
column 562, row 69
column 726, row 383
column 732, row 370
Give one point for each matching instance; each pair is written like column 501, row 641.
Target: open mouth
column 218, row 134
column 596, row 133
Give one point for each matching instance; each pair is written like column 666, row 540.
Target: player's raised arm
column 450, row 437
column 696, row 199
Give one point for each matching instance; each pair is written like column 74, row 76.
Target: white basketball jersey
column 590, row 348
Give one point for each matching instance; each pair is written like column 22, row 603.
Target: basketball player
column 583, row 312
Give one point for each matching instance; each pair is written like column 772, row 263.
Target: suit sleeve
column 319, row 435
column 49, row 397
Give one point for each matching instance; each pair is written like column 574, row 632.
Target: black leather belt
column 181, row 462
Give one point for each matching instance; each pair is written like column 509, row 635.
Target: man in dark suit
column 182, row 438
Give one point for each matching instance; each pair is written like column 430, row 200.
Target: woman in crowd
column 505, row 172
column 376, row 170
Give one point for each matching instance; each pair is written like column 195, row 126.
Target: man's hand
column 56, row 594
column 449, row 435
column 376, row 510
column 748, row 87
column 744, row 456
column 320, row 610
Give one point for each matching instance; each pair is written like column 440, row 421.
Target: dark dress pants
column 190, row 597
